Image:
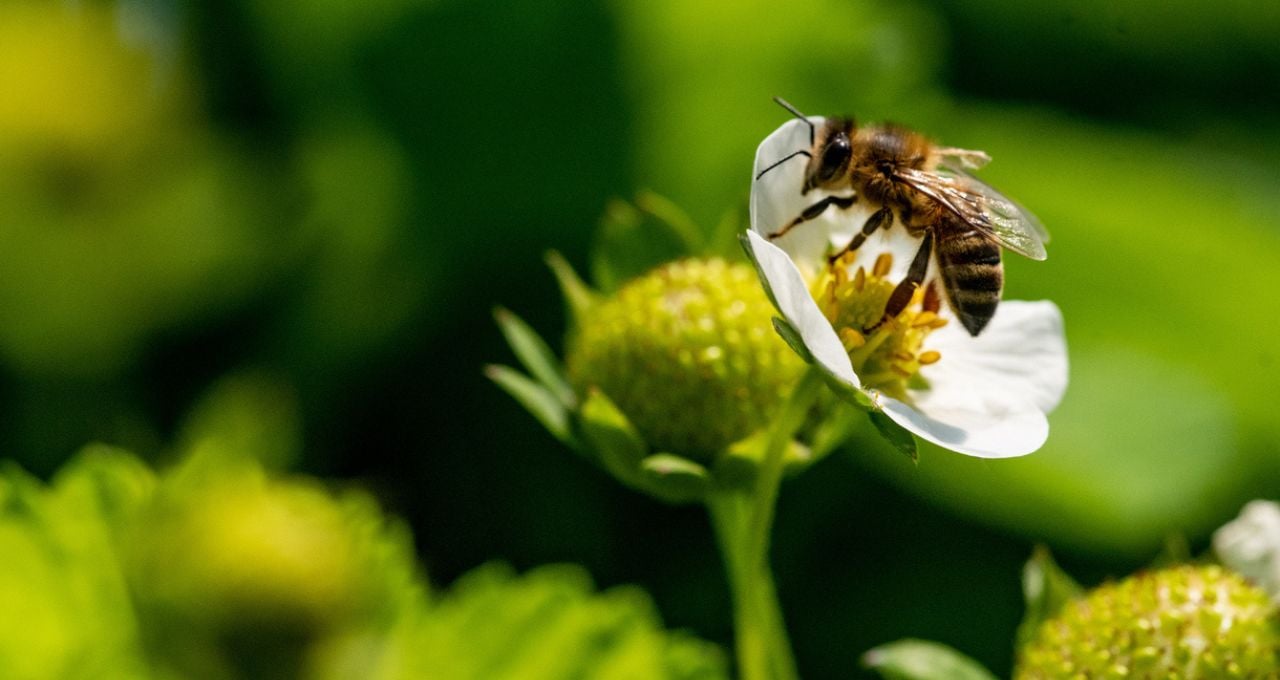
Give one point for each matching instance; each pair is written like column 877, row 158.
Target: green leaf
column 535, row 398
column 895, row 434
column 579, row 298
column 246, row 415
column 791, row 336
column 673, row 478
column 636, row 238
column 923, row 660
column 612, row 438
column 535, row 355
column 1046, row 588
column 549, row 623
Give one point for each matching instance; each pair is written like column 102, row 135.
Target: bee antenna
column 784, row 159
column 787, row 105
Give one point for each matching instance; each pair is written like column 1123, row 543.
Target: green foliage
column 66, row 600
column 216, row 570
column 547, row 624
column 1046, row 589
column 923, row 660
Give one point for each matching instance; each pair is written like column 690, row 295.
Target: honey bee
column 909, row 180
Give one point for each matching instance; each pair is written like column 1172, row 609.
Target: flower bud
column 688, row 353
column 1184, row 622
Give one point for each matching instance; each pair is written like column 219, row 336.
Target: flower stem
column 743, row 520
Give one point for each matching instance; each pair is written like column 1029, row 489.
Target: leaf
column 535, row 398
column 1046, row 588
column 791, row 336
column 923, row 660
column 535, row 355
column 547, row 623
column 579, row 298
column 246, row 415
column 895, row 434
column 612, row 438
column 636, row 238
column 673, row 478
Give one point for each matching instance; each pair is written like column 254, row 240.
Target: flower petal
column 1250, row 544
column 991, row 427
column 792, row 298
column 1022, row 352
column 776, row 200
column 988, row 395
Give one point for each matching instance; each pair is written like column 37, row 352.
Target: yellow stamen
column 882, row 266
column 852, row 339
column 860, row 279
column 923, row 319
column 929, row 357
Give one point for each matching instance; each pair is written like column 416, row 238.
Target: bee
column 926, row 188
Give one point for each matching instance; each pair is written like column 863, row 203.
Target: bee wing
column 981, row 207
column 967, row 158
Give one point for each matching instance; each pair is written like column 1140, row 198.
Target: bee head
column 831, row 153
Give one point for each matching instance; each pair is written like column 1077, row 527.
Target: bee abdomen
column 972, row 276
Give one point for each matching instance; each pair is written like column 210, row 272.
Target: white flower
column 985, row 396
column 1250, row 545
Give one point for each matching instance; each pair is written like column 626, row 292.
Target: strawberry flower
column 984, row 396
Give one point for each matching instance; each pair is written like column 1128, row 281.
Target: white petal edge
column 998, row 428
column 1022, row 353
column 789, row 292
column 1250, row 545
column 776, row 200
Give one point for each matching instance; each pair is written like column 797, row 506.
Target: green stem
column 743, row 521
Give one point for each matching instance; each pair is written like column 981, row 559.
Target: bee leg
column 881, row 218
column 903, row 292
column 814, row 210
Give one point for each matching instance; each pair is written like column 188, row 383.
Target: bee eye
column 834, row 157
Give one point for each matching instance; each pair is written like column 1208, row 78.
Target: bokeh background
column 319, row 205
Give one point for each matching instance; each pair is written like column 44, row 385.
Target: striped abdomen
column 969, row 264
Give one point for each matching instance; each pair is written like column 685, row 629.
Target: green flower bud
column 688, row 353
column 1184, row 622
column 235, row 570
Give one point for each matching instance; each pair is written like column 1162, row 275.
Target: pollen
column 886, row 353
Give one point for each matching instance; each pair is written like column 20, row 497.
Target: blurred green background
column 331, row 197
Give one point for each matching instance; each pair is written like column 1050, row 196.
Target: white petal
column 1250, row 544
column 1021, row 353
column 776, row 200
column 988, row 395
column 791, row 294
column 990, row 427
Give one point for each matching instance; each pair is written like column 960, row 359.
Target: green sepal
column 791, row 336
column 1046, row 588
column 738, row 464
column 634, row 238
column 674, row 479
column 835, row 428
column 611, row 437
column 578, row 296
column 535, row 355
column 745, row 242
column 895, row 434
column 923, row 660
column 535, row 398
column 1174, row 551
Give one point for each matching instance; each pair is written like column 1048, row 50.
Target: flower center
column 886, row 356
